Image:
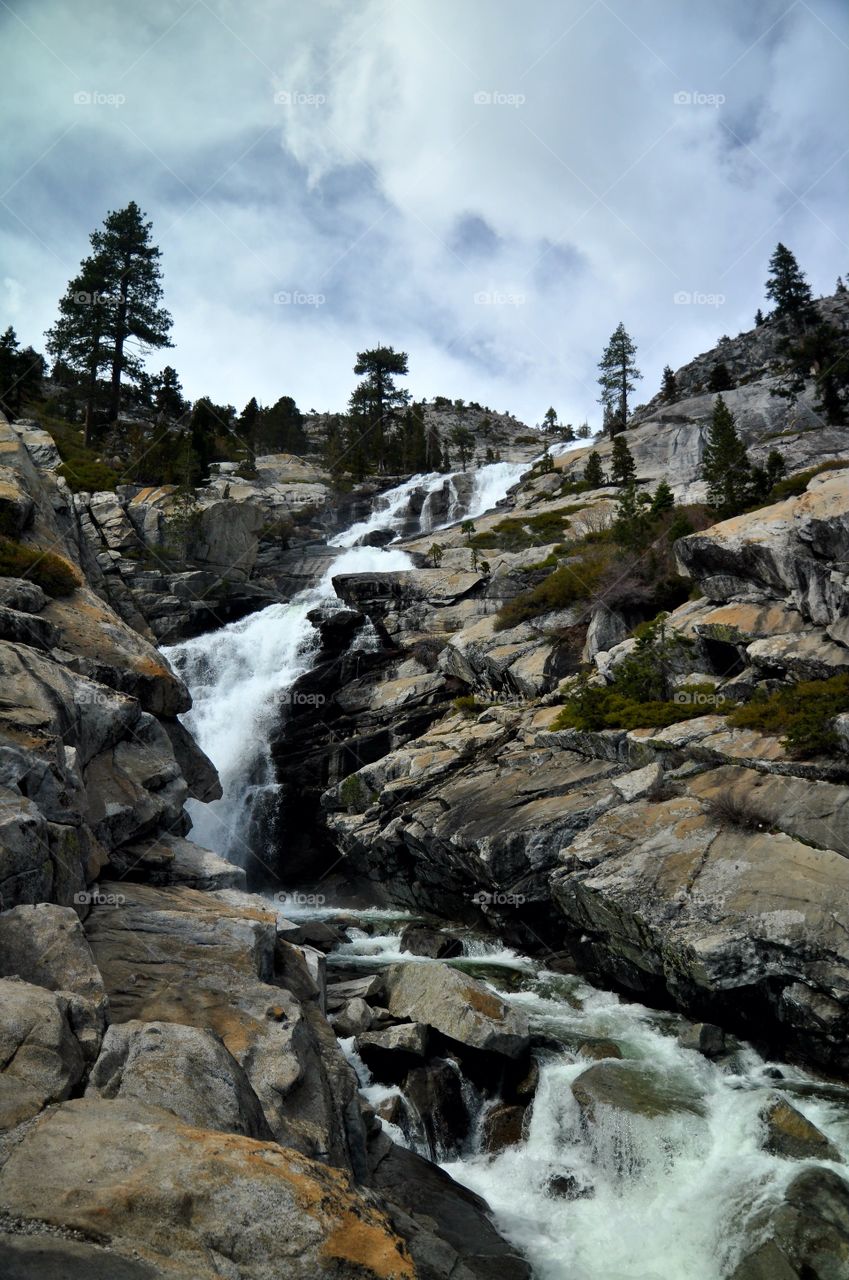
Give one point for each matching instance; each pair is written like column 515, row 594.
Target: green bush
column 516, row 533
column 468, row 706
column 571, row 583
column 354, row 794
column 603, row 707
column 802, row 713
column 52, row 573
column 793, row 486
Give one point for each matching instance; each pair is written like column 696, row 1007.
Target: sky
column 488, row 185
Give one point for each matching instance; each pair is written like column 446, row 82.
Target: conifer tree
column 593, row 472
column 725, row 463
column 376, row 402
column 617, row 375
column 622, row 468
column 788, row 288
column 840, row 287
column 21, row 372
column 550, row 420
column 669, row 386
column 759, row 318
column 464, row 441
column 80, row 340
column 168, row 393
column 720, row 378
column 662, row 500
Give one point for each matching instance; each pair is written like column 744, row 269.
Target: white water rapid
column 669, row 1196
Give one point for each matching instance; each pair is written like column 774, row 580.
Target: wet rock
column 184, row 1069
column 171, row 860
column 370, row 987
column 502, row 1127
column 789, row 1134
column 598, row 1050
column 631, row 1090
column 567, row 1186
column 421, row 941
column 446, row 1226
column 461, row 1008
column 390, row 1054
column 321, row 934
column 808, row 1233
column 435, row 1094
column 203, row 1203
column 353, row 1018
column 705, row 1038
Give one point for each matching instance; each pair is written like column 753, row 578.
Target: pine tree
column 622, row 468
column 821, row 353
column 669, row 386
column 632, row 525
column 662, row 500
column 21, row 372
column 725, row 463
column 168, row 393
column 617, row 375
column 247, row 429
column 464, row 441
column 376, row 402
column 720, row 378
column 131, row 262
column 550, row 420
column 593, row 472
column 788, row 288
column 80, row 340
column 280, row 429
column 840, row 287
column 759, row 318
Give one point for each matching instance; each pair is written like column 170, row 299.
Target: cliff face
column 698, row 863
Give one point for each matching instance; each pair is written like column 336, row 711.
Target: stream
column 654, row 1196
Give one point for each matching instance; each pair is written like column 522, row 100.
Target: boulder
column 204, row 1204
column 502, row 1127
column 461, row 1008
column 704, row 1037
column 446, row 1226
column 807, row 1235
column 390, row 1054
column 184, row 1069
column 41, row 1060
column 421, row 941
column 789, row 1134
column 599, row 1050
column 171, row 860
column 46, row 945
column 353, row 1018
column 630, row 1089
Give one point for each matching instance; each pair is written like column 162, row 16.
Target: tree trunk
column 120, row 336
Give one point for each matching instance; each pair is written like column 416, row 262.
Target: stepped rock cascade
column 239, row 674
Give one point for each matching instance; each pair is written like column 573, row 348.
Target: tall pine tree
column 376, row 403
column 669, row 386
column 725, row 464
column 617, row 375
column 788, row 288
column 622, row 468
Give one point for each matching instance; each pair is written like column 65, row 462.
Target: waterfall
column 238, row 676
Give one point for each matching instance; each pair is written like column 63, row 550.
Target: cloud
column 489, row 186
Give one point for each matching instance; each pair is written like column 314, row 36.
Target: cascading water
column 237, row 677
column 238, row 674
column 645, row 1194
